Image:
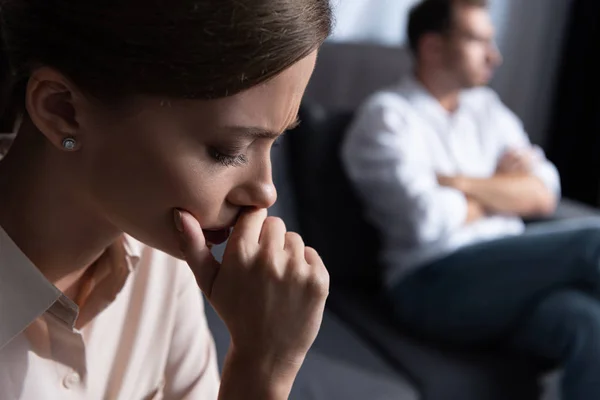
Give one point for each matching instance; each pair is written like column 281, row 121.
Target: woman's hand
column 270, row 291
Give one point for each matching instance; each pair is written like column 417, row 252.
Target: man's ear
column 51, row 102
column 431, row 46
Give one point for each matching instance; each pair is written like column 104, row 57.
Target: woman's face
column 211, row 158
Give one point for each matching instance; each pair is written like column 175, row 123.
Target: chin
column 486, row 79
column 476, row 84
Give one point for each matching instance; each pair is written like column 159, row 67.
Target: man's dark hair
column 434, row 16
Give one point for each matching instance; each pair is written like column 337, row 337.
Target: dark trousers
column 538, row 292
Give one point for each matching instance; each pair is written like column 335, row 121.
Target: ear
column 51, row 102
column 431, row 46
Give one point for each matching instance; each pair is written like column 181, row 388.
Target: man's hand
column 270, row 291
column 515, row 161
column 475, row 209
column 456, row 182
column 512, row 190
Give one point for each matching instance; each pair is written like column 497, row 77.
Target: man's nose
column 495, row 56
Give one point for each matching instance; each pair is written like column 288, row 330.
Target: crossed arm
column 513, row 189
column 387, row 159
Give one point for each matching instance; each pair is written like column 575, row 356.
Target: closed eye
column 228, row 160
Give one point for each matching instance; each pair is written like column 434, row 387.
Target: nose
column 257, row 190
column 494, row 55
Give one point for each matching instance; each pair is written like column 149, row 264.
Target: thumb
column 195, row 251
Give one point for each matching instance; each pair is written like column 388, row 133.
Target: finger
column 512, row 166
column 294, row 245
column 513, row 157
column 196, row 252
column 249, row 227
column 522, row 166
column 320, row 280
column 506, row 157
column 524, row 155
column 272, row 237
column 527, row 158
column 312, row 256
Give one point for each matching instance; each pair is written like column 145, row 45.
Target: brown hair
column 434, row 16
column 174, row 48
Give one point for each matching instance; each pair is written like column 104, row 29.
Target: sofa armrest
column 569, row 209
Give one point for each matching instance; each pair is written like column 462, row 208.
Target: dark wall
column 574, row 135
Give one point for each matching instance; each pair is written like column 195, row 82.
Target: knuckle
column 240, row 248
column 293, row 236
column 319, row 282
column 274, row 222
column 310, row 251
column 292, row 240
column 312, row 257
column 266, row 258
column 298, row 271
column 271, row 265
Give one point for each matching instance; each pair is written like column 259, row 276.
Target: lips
column 217, row 236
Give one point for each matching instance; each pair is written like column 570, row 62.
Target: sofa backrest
column 347, row 73
column 329, row 214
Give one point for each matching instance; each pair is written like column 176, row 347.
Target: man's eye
column 228, row 160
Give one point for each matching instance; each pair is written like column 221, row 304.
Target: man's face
column 470, row 53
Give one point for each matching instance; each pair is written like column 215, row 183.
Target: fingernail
column 178, row 220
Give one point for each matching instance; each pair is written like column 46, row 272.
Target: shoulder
column 386, row 108
column 390, row 100
column 385, row 125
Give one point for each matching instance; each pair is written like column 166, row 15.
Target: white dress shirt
column 401, row 139
column 141, row 333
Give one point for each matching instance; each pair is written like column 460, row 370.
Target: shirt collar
column 421, row 99
column 25, row 294
column 418, row 95
column 133, row 251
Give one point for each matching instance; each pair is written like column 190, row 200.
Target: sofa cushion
column 338, row 366
column 440, row 372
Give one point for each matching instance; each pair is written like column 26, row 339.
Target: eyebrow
column 261, row 133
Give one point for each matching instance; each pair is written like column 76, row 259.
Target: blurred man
column 447, row 173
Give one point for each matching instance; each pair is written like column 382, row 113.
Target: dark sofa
column 360, row 352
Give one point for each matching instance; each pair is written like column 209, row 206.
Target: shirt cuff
column 455, row 207
column 549, row 176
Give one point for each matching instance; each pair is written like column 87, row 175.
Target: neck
column 44, row 214
column 440, row 86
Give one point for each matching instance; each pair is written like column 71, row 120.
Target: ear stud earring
column 69, row 143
